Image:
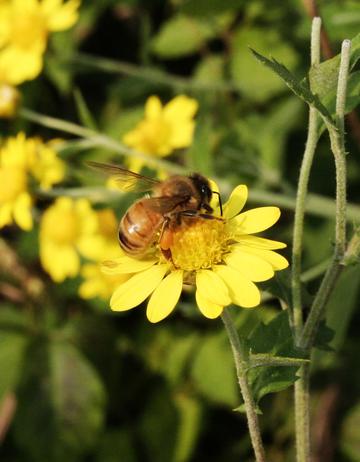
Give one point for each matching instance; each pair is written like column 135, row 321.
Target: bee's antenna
column 220, row 202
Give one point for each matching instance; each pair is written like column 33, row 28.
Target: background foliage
column 91, row 385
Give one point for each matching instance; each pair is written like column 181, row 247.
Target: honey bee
column 153, row 219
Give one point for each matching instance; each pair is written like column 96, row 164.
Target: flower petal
column 136, row 289
column 212, row 287
column 251, row 266
column 259, row 242
column 242, row 291
column 208, row 309
column 277, row 261
column 181, row 108
column 22, row 211
column 153, row 107
column 125, row 264
column 256, row 220
column 236, row 201
column 165, row 297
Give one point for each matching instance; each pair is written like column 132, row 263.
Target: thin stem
column 241, row 365
column 301, row 389
column 338, row 149
column 307, row 161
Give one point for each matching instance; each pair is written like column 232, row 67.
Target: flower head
column 23, row 159
column 220, row 256
column 68, row 229
column 24, row 29
column 163, row 128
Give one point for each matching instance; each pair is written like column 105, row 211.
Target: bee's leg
column 196, row 214
column 165, row 240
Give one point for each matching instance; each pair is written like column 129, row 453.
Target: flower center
column 28, row 29
column 62, row 229
column 13, row 181
column 199, row 243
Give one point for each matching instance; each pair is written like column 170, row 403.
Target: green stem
column 241, row 364
column 301, row 389
column 338, row 149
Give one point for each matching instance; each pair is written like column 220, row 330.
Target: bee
column 153, row 219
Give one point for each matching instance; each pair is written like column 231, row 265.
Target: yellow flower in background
column 221, row 257
column 21, row 160
column 98, row 284
column 24, row 29
column 163, row 128
column 68, row 229
column 9, row 100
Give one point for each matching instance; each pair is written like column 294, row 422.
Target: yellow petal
column 259, row 242
column 208, row 309
column 136, row 289
column 277, row 261
column 251, row 266
column 212, row 287
column 125, row 264
column 180, row 108
column 22, row 212
column 242, row 291
column 153, row 107
column 60, row 15
column 165, row 297
column 5, row 214
column 256, row 220
column 236, row 201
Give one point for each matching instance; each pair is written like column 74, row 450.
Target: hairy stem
column 241, row 364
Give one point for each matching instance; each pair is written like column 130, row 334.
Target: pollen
column 200, row 244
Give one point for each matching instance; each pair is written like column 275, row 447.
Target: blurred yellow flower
column 20, row 159
column 68, row 229
column 24, row 29
column 9, row 100
column 221, row 257
column 98, row 284
column 163, row 129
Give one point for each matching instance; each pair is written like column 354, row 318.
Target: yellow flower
column 24, row 29
column 68, row 229
column 221, row 257
column 96, row 283
column 20, row 159
column 163, row 129
column 9, row 100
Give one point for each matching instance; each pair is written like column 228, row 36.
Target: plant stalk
column 241, row 364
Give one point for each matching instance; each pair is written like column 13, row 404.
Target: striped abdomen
column 138, row 228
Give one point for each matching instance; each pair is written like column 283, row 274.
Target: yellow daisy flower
column 19, row 158
column 163, row 129
column 221, row 257
column 24, row 29
column 68, row 229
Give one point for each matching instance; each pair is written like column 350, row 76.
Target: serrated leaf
column 299, row 88
column 255, row 83
column 324, row 76
column 61, row 398
column 274, row 339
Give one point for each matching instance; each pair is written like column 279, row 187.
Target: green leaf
column 274, row 339
column 83, row 110
column 255, row 83
column 323, row 77
column 299, row 88
column 213, row 371
column 183, row 35
column 116, row 442
column 209, row 7
column 61, row 398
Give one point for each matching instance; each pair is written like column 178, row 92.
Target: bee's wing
column 126, row 179
column 163, row 204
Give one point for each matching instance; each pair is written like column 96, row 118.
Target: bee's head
column 202, row 186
